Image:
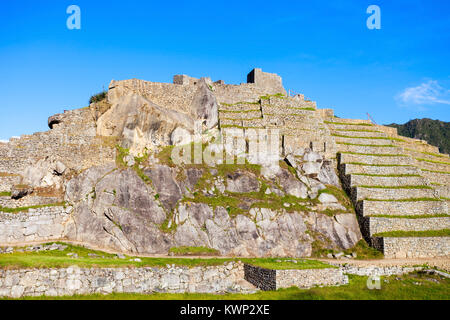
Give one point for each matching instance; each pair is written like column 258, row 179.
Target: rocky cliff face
column 149, row 208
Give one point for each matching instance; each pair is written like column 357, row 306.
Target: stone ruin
column 397, row 185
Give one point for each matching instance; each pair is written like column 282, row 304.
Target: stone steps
column 373, row 169
column 402, row 208
column 362, row 193
column 288, row 110
column 359, row 133
column 349, row 121
column 368, row 149
column 361, row 180
column 437, row 177
column 240, row 115
column 337, row 126
column 433, row 166
column 444, row 190
column 375, row 159
column 380, row 225
column 428, row 156
column 420, row 247
column 365, row 141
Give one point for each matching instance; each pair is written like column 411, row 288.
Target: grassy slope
column 59, row 259
column 408, row 287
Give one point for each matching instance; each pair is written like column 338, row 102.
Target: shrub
column 98, row 97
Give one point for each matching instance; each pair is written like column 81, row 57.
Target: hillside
column 435, row 132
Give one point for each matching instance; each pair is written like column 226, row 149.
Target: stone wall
column 267, row 279
column 310, row 278
column 28, row 201
column 75, row 280
column 421, row 247
column 41, row 224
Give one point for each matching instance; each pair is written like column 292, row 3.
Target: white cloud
column 428, row 93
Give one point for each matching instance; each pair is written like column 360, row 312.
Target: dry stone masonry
column 116, row 200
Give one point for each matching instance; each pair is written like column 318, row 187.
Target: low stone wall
column 28, row 201
column 264, row 279
column 74, row 280
column 423, row 247
column 267, row 279
column 41, row 224
column 310, row 278
column 379, row 225
column 379, row 271
column 7, row 181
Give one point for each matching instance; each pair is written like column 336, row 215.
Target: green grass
column 277, row 95
column 24, row 209
column 237, row 103
column 287, row 263
column 443, row 172
column 98, row 97
column 409, row 217
column 306, row 109
column 429, row 153
column 246, row 119
column 433, row 161
column 5, row 194
column 399, row 187
column 415, row 286
column 59, row 259
column 193, row 251
column 428, row 233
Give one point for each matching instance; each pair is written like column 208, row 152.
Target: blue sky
column 322, row 49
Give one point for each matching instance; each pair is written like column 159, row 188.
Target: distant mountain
column 435, row 132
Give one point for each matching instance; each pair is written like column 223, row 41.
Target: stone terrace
column 396, row 184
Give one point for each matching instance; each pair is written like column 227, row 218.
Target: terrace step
column 375, row 159
column 405, row 247
column 402, row 208
column 437, row 177
column 434, row 166
column 366, row 141
column 369, row 149
column 338, row 126
column 444, row 191
column 349, row 121
column 429, row 156
column 350, row 168
column 380, row 225
column 362, row 193
column 362, row 180
column 360, row 134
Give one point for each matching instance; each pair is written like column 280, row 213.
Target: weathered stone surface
column 242, row 182
column 327, row 198
column 205, row 106
column 20, row 191
column 292, row 185
column 46, row 172
column 327, row 175
column 165, row 184
column 141, row 123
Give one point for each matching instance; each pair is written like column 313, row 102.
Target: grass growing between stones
column 407, row 234
column 24, row 209
column 362, row 249
column 285, row 264
column 433, row 161
column 395, row 187
column 386, row 175
column 5, row 194
column 88, row 258
column 414, row 286
column 194, row 251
